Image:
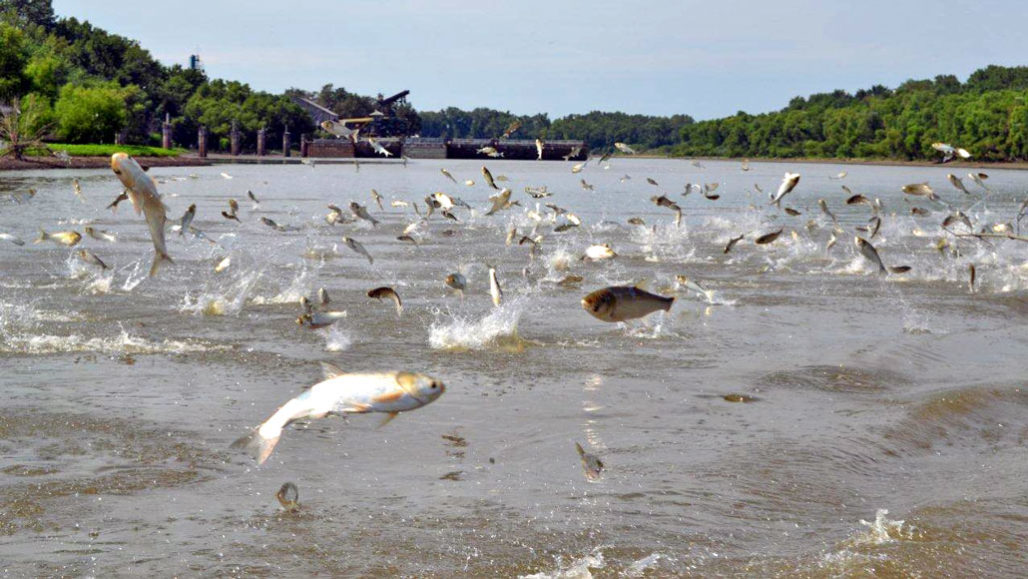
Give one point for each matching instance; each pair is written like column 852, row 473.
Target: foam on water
column 123, row 343
column 221, row 301
column 496, row 329
column 336, row 339
column 576, row 569
column 300, row 286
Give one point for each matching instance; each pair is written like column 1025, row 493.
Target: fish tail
column 256, row 445
column 158, row 258
column 667, row 305
column 43, row 236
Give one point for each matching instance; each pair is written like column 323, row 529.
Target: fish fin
column 256, row 445
column 406, row 380
column 387, row 419
column 581, row 451
column 357, row 408
column 643, row 285
column 158, row 258
column 42, row 236
column 330, row 370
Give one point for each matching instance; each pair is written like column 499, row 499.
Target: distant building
column 194, row 62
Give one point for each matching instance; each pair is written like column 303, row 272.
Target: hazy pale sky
column 703, row 58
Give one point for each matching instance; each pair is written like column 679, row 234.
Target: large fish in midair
column 142, row 191
column 342, row 393
column 621, row 303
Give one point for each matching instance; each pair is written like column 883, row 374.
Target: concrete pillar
column 166, row 132
column 119, row 138
column 286, row 141
column 201, row 142
column 236, row 140
column 261, row 138
column 305, row 144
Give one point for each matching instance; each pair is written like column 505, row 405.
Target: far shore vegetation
column 74, row 83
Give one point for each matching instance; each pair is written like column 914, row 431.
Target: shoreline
column 37, row 163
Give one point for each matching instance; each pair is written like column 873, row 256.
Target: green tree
column 13, row 58
column 28, row 12
column 91, row 114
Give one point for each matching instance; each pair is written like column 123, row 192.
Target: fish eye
column 434, row 385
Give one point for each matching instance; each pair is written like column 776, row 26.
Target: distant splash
column 882, row 530
column 496, row 330
column 221, row 302
column 336, row 339
column 123, row 343
column 299, row 287
column 576, row 569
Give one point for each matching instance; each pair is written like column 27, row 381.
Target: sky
column 707, row 59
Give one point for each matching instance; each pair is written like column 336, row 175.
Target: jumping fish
column 323, row 298
column 622, row 303
column 789, row 183
column 513, row 126
column 342, row 393
column 187, row 218
column 101, row 235
column 732, row 242
column 113, row 206
column 494, row 287
column 447, row 175
column 920, row 190
column 539, row 149
column 143, row 193
column 949, row 151
column 824, row 209
column 387, row 292
column 956, row 182
column 233, row 210
column 489, row 178
column 624, row 148
column 706, row 294
column 361, row 212
column 12, row 238
column 577, row 168
column 586, row 185
column 599, row 252
column 378, row 199
column 317, row 320
column 870, row 253
column 592, row 465
column 69, row 238
column 91, row 258
column 356, row 246
column 223, row 265
column 768, row 237
column 256, row 203
column 979, row 179
column 379, row 148
column 457, row 281
column 289, row 497
column 664, row 201
column 500, row 201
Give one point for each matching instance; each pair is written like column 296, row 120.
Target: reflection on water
column 901, row 392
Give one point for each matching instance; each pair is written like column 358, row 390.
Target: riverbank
column 37, row 163
column 867, row 162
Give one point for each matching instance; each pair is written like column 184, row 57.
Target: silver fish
column 143, row 193
column 789, row 183
column 732, row 242
column 91, row 258
column 356, row 246
column 12, row 238
column 316, row 320
column 69, row 238
column 768, row 237
column 323, row 298
column 956, row 182
column 622, row 303
column 187, row 218
column 489, row 178
column 101, row 235
column 361, row 212
column 342, row 393
column 624, row 148
column 494, row 287
column 448, row 175
column 869, row 252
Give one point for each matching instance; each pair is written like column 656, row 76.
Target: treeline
column 82, row 84
column 599, row 129
column 987, row 115
column 85, row 85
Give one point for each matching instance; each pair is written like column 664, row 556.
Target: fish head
column 422, row 388
column 600, row 304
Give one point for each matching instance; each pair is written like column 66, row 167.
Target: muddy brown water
column 864, row 393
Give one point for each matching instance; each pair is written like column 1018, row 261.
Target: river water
column 884, row 434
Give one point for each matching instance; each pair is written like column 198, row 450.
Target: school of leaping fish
column 394, row 391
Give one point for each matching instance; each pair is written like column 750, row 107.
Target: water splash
column 297, row 288
column 123, row 343
column 882, row 530
column 336, row 339
column 228, row 301
column 497, row 329
column 576, row 569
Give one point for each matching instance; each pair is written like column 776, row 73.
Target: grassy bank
column 108, row 150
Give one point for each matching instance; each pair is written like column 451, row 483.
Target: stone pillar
column 236, row 140
column 166, row 132
column 286, row 141
column 305, row 144
column 201, row 142
column 119, row 138
column 261, row 137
